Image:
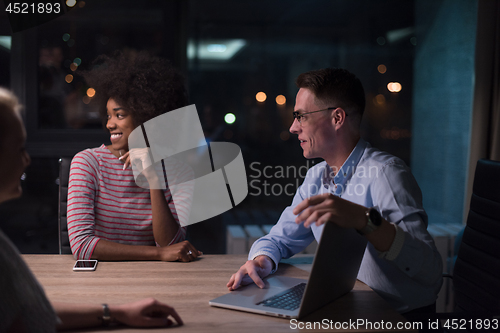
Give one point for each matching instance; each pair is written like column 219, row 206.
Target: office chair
column 476, row 276
column 64, row 166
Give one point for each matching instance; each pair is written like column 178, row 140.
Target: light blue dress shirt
column 371, row 178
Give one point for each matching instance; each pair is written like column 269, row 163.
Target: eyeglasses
column 300, row 116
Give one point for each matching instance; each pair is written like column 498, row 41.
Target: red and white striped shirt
column 104, row 202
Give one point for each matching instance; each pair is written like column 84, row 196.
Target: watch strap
column 106, row 316
column 370, row 226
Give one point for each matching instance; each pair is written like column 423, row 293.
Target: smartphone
column 85, row 265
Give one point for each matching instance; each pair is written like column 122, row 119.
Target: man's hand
column 145, row 313
column 252, row 271
column 183, row 251
column 327, row 207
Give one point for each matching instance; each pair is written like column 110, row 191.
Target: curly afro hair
column 144, row 85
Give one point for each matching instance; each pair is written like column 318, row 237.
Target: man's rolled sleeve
column 268, row 254
column 396, row 245
column 419, row 258
column 399, row 195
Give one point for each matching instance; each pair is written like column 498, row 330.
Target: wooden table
column 188, row 287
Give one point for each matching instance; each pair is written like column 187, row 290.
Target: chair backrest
column 476, row 277
column 64, row 165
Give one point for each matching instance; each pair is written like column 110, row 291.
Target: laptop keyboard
column 286, row 300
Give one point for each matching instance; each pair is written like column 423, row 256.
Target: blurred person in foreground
column 24, row 306
column 109, row 216
column 357, row 186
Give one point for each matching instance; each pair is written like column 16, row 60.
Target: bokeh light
column 379, row 99
column 382, row 69
column 261, row 96
column 216, row 48
column 69, row 78
column 395, row 133
column 70, row 3
column 280, row 100
column 91, row 92
column 229, row 118
column 394, row 87
column 73, row 66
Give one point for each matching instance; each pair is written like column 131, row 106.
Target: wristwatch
column 106, row 317
column 373, row 221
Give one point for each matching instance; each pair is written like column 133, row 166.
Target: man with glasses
column 357, row 186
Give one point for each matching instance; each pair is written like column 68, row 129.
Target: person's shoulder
column 92, row 155
column 11, row 262
column 383, row 167
column 374, row 157
column 97, row 151
column 21, row 292
column 7, row 248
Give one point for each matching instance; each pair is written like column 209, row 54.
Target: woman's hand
column 141, row 159
column 125, row 158
column 144, row 313
column 183, row 251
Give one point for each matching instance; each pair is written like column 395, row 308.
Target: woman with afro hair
column 109, row 216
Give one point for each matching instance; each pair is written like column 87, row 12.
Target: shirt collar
column 348, row 168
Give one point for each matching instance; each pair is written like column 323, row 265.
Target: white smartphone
column 85, row 265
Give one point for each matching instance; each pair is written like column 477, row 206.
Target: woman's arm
column 107, row 250
column 144, row 313
column 82, row 187
column 166, row 228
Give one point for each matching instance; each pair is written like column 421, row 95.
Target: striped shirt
column 104, row 202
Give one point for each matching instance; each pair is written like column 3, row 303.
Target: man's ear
column 338, row 117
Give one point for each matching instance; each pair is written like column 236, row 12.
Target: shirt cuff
column 273, row 258
column 179, row 236
column 397, row 245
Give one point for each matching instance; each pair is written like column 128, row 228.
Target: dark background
column 282, row 40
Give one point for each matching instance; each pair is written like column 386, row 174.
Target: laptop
column 333, row 274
